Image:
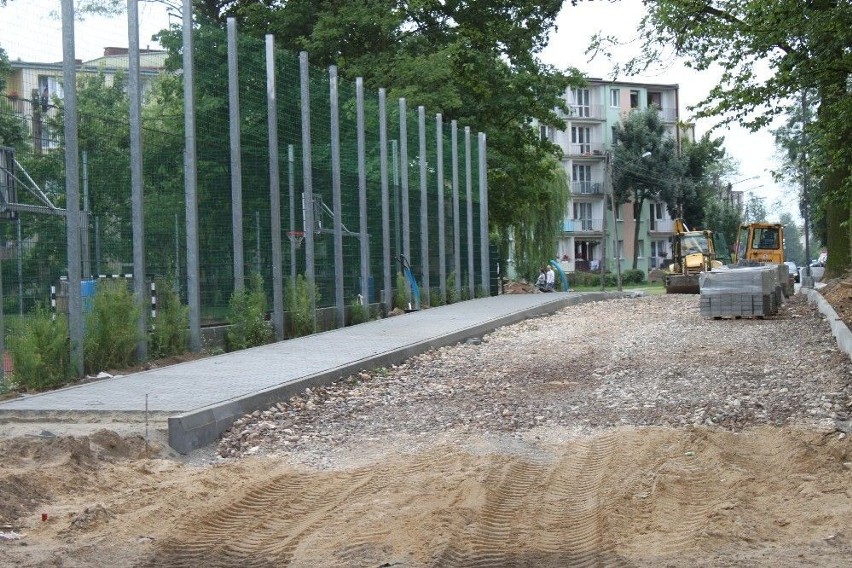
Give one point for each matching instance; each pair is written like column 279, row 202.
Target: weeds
column 112, row 328
column 297, row 299
column 247, row 317
column 170, row 329
column 40, row 351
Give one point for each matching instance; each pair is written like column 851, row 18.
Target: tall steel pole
column 383, row 172
column 236, row 156
column 72, row 190
column 807, row 281
column 336, row 196
column 136, row 189
column 274, row 191
column 484, row 261
column 363, row 234
column 193, row 292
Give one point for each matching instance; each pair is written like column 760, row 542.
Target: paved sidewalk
column 202, row 398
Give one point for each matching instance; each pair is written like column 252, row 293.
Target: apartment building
column 33, row 87
column 595, row 110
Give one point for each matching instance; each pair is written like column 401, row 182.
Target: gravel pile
column 632, row 362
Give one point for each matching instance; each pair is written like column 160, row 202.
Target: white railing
column 587, row 111
column 586, row 187
column 586, row 149
column 582, row 225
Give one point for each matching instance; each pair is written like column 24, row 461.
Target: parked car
column 793, row 269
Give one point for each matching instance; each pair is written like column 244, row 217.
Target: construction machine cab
column 761, row 243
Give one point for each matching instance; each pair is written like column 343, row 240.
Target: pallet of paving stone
column 740, row 292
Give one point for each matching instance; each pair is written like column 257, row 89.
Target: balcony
column 586, row 188
column 661, row 226
column 668, row 114
column 582, row 226
column 586, row 149
column 591, row 112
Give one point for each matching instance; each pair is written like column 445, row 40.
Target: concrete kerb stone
column 838, row 328
column 197, row 428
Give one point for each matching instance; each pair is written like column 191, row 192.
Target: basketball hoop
column 296, row 237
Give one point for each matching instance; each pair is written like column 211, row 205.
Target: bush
column 632, row 276
column 401, row 298
column 247, row 317
column 435, row 298
column 297, row 300
column 170, row 329
column 112, row 328
column 452, row 295
column 41, row 351
column 359, row 313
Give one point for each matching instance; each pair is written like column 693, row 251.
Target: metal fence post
column 136, row 189
column 403, row 177
column 383, row 173
column 307, row 180
column 454, row 139
column 337, row 201
column 236, row 156
column 442, row 237
column 72, row 191
column 483, row 214
column 469, row 186
column 424, row 203
column 362, row 193
column 193, row 292
column 274, row 191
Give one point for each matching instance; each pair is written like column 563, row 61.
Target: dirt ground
column 624, row 496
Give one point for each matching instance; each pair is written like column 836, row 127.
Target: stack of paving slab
column 754, row 291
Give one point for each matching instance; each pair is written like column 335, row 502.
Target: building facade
column 33, row 88
column 595, row 110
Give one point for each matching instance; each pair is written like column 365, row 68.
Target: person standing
column 541, row 283
column 549, row 279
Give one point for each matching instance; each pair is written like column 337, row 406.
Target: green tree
column 645, row 165
column 754, row 210
column 723, row 219
column 793, row 248
column 805, row 45
column 475, row 63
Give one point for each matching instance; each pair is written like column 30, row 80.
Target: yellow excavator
column 693, row 252
column 762, row 244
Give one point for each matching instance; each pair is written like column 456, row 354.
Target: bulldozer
column 693, row 252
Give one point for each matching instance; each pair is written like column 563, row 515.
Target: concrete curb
column 838, row 328
column 202, row 426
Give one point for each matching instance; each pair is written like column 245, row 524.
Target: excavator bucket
column 682, row 284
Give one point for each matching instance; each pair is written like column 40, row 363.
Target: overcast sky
column 31, row 30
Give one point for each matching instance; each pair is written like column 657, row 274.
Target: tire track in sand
column 262, row 527
column 544, row 514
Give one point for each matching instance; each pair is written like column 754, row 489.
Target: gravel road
column 633, row 362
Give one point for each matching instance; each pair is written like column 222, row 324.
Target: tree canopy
column 472, row 62
column 804, row 46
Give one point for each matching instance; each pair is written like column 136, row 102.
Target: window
column 581, row 178
column 542, row 132
column 656, row 215
column 614, row 135
column 620, row 249
column 634, row 98
column 641, row 248
column 656, row 99
column 581, row 103
column 658, row 253
column 615, row 98
column 583, row 214
column 581, row 139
